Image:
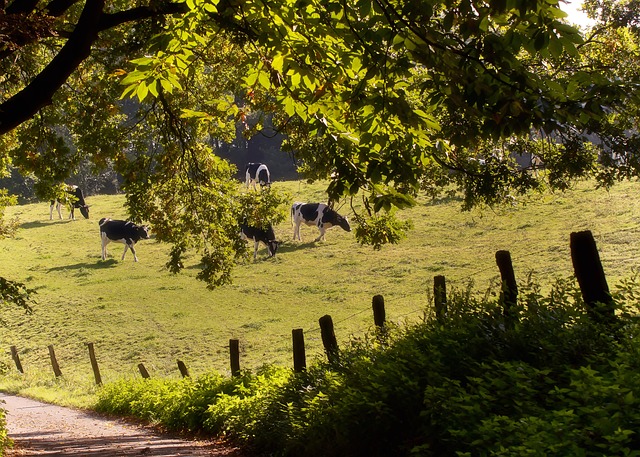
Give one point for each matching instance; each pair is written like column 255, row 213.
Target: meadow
column 140, row 313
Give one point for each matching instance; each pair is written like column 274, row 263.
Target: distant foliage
column 554, row 384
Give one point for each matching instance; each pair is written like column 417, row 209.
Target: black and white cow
column 257, row 235
column 317, row 214
column 76, row 200
column 257, row 173
column 122, row 232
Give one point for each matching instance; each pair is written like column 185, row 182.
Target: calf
column 257, row 173
column 75, row 200
column 268, row 237
column 317, row 214
column 122, row 232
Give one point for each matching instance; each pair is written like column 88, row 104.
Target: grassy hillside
column 138, row 312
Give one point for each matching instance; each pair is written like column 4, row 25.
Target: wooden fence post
column 379, row 314
column 591, row 279
column 16, row 358
column 509, row 294
column 54, row 362
column 183, row 369
column 329, row 338
column 234, row 356
column 143, row 371
column 440, row 296
column 299, row 356
column 94, row 364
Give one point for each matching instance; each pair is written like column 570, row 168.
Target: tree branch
column 37, row 94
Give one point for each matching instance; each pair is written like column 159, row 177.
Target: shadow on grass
column 100, row 264
column 38, row 224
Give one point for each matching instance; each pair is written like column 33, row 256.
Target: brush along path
column 42, row 429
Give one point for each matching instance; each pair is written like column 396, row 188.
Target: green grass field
column 139, row 312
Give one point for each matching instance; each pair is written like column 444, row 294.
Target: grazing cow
column 317, row 214
column 122, row 232
column 257, row 173
column 75, row 200
column 268, row 237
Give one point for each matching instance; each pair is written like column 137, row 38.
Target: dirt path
column 40, row 429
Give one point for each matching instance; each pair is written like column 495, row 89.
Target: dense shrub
column 552, row 382
column 5, row 441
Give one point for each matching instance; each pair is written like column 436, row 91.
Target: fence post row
column 234, row 356
column 440, row 296
column 94, row 364
column 587, row 268
column 299, row 355
column 54, row 362
column 329, row 338
column 16, row 358
column 591, row 279
column 509, row 294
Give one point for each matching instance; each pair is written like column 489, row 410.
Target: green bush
column 551, row 382
column 5, row 441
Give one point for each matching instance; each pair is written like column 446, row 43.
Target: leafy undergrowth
column 552, row 383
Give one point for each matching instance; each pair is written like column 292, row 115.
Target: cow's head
column 344, row 223
column 84, row 210
column 143, row 231
column 273, row 247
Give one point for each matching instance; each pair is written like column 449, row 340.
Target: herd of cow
column 128, row 233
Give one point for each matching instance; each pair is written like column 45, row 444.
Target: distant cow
column 268, row 237
column 75, row 200
column 122, row 232
column 317, row 214
column 257, row 173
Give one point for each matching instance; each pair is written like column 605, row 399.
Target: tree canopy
column 384, row 98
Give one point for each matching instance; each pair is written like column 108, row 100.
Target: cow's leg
column 255, row 249
column 51, row 205
column 105, row 241
column 296, row 231
column 133, row 251
column 321, row 237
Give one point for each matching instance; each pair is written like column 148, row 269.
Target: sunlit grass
column 140, row 313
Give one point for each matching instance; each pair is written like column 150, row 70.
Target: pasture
column 139, row 312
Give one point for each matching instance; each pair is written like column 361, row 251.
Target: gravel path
column 40, row 429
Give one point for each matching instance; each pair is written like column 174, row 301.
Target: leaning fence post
column 329, row 338
column 440, row 296
column 379, row 314
column 94, row 364
column 509, row 294
column 143, row 371
column 54, row 362
column 591, row 279
column 299, row 356
column 183, row 369
column 234, row 356
column 16, row 358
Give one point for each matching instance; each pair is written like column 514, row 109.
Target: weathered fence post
column 591, row 279
column 440, row 296
column 183, row 369
column 94, row 364
column 234, row 356
column 16, row 358
column 509, row 294
column 329, row 338
column 299, row 356
column 54, row 362
column 379, row 314
column 143, row 371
